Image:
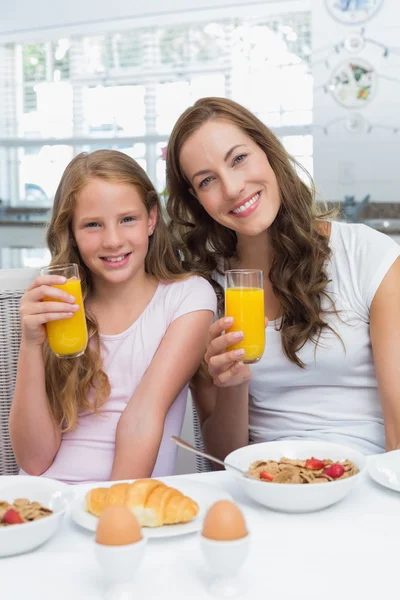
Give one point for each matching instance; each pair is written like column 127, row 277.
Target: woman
column 332, row 291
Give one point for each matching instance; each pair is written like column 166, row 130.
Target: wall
column 22, row 16
column 358, row 163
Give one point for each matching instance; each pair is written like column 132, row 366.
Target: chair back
column 202, row 464
column 13, row 283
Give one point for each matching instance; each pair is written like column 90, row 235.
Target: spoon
column 227, row 466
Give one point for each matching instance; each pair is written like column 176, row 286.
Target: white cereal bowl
column 292, row 497
column 16, row 539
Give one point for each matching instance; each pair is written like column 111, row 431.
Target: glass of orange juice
column 244, row 301
column 67, row 338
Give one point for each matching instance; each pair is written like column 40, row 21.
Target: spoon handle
column 187, row 446
column 227, row 466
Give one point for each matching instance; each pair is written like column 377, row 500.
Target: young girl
column 330, row 369
column 110, row 413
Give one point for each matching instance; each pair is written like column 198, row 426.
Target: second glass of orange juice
column 67, row 338
column 244, row 301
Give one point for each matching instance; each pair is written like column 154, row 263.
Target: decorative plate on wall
column 353, row 11
column 353, row 83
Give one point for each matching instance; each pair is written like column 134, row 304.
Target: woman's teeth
column 247, row 204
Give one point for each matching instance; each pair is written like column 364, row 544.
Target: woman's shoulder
column 358, row 239
column 361, row 257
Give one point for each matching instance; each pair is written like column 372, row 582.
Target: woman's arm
column 223, row 414
column 385, row 338
column 222, row 402
column 140, row 428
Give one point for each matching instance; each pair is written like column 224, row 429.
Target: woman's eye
column 205, row 182
column 239, row 158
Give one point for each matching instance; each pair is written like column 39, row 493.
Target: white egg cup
column 225, row 559
column 119, row 564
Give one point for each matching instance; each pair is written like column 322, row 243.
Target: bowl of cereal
column 297, row 475
column 31, row 511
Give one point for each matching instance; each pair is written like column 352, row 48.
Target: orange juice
column 69, row 337
column 246, row 306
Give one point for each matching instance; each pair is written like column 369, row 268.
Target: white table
column 348, row 551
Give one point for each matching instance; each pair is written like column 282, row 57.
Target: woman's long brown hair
column 68, row 382
column 300, row 246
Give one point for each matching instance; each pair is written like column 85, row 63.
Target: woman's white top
column 336, row 397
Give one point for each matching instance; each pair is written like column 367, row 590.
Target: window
column 125, row 90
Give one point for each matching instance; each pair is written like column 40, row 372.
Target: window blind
column 125, row 90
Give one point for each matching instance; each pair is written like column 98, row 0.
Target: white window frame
column 9, row 144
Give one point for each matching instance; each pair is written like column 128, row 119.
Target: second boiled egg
column 224, row 521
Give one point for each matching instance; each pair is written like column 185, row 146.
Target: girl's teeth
column 118, row 259
column 247, row 204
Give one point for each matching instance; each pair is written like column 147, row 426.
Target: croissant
column 152, row 502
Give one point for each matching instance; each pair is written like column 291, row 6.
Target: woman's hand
column 35, row 312
column 225, row 367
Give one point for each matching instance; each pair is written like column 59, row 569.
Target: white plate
column 204, row 494
column 385, row 469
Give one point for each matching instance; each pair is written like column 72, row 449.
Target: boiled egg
column 224, row 521
column 117, row 526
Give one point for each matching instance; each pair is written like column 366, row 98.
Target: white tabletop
column 348, row 551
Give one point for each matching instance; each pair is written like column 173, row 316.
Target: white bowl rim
column 63, row 487
column 297, row 486
column 32, row 524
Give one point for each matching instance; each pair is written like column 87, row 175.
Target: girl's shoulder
column 188, row 294
column 188, row 283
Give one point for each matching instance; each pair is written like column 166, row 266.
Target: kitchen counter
column 23, row 237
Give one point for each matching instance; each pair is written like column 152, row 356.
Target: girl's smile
column 115, row 262
column 111, row 227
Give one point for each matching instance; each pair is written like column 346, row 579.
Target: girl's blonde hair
column 301, row 250
column 68, row 382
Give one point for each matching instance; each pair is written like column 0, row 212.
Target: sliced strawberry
column 334, row 471
column 314, row 463
column 266, row 476
column 11, row 517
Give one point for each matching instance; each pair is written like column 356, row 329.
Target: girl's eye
column 205, row 182
column 128, row 219
column 239, row 158
column 91, row 225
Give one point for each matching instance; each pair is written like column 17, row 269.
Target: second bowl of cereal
column 298, row 475
column 31, row 511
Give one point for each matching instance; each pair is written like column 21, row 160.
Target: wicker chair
column 13, row 282
column 202, row 463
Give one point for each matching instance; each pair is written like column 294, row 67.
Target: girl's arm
column 385, row 338
column 140, row 428
column 35, row 436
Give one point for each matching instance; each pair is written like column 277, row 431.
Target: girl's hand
column 225, row 367
column 35, row 313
